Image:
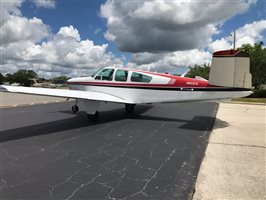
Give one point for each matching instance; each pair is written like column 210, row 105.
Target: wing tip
column 3, row 89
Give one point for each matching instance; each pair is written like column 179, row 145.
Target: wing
column 75, row 94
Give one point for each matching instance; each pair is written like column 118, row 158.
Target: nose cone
column 80, row 79
column 71, row 80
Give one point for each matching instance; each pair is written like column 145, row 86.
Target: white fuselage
column 138, row 94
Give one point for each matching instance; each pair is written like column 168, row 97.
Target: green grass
column 252, row 100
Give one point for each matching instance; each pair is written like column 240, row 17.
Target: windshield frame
column 96, row 72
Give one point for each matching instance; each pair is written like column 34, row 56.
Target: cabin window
column 121, row 75
column 105, row 74
column 138, row 77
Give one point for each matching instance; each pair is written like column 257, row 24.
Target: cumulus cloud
column 163, row 35
column 248, row 34
column 29, row 44
column 69, row 32
column 18, row 28
column 221, row 44
column 44, row 3
column 9, row 8
column 146, row 58
column 159, row 26
column 63, row 50
column 166, row 62
column 251, row 33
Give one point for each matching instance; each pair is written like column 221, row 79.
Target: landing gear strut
column 129, row 108
column 93, row 118
column 75, row 107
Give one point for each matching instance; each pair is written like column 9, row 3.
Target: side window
column 121, row 75
column 105, row 74
column 138, row 77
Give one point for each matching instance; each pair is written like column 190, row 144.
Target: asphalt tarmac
column 155, row 153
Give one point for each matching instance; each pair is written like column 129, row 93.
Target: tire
column 75, row 109
column 130, row 108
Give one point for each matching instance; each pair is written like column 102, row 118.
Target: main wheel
column 93, row 118
column 75, row 109
column 130, row 108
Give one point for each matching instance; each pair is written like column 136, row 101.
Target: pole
column 234, row 40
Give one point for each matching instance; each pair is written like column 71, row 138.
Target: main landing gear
column 129, row 108
column 91, row 108
column 75, row 107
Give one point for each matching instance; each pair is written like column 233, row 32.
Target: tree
column 2, row 78
column 257, row 63
column 199, row 70
column 41, row 80
column 59, row 80
column 23, row 77
column 9, row 78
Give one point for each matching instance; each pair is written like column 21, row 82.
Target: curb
column 247, row 103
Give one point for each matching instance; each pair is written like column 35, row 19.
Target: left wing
column 75, row 94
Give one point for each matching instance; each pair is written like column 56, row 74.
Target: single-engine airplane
column 229, row 78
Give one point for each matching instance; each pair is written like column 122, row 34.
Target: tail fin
column 230, row 68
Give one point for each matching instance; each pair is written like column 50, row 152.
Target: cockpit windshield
column 105, row 74
column 95, row 72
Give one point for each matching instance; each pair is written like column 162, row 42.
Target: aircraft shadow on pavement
column 201, row 123
column 220, row 123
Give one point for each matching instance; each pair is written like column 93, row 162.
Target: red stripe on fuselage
column 141, row 85
column 118, row 84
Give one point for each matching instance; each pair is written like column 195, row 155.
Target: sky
column 74, row 38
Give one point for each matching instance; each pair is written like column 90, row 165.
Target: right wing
column 75, row 94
